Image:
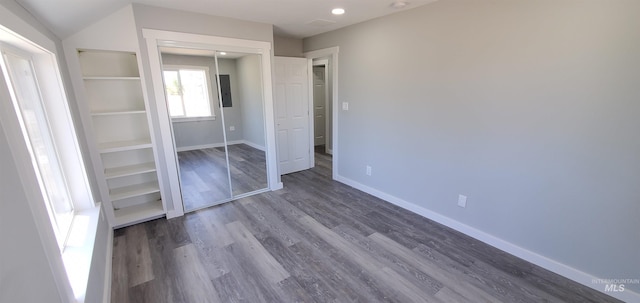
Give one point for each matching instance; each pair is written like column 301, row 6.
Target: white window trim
column 172, row 67
column 71, row 277
column 61, row 235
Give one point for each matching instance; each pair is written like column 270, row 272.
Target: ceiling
column 291, row 18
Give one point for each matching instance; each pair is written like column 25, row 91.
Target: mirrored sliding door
column 216, row 108
column 244, row 116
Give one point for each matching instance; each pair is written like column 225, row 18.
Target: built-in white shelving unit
column 129, row 170
column 131, row 112
column 117, row 111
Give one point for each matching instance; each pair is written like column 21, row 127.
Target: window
column 35, row 114
column 187, row 92
column 27, row 99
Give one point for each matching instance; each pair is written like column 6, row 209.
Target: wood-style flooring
column 321, row 241
column 204, row 179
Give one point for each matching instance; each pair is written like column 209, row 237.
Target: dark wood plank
column 163, row 287
column 456, row 286
column 254, row 286
column 176, row 231
column 139, row 264
column 407, row 270
column 120, row 275
column 256, row 253
column 303, row 272
column 397, row 285
column 316, row 240
column 229, row 289
column 266, row 217
column 192, row 276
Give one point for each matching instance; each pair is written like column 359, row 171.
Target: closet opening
column 213, row 97
column 216, row 110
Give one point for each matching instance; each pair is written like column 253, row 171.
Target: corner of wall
column 287, row 47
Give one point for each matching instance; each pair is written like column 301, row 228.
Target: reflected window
column 187, row 91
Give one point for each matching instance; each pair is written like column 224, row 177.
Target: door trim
column 332, row 54
column 156, row 38
column 327, row 132
column 311, row 118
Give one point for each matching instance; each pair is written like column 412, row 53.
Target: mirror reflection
column 246, row 145
column 215, row 102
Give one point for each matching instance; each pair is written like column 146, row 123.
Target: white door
column 292, row 114
column 319, row 101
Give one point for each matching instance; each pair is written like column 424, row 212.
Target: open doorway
column 323, row 78
column 321, row 106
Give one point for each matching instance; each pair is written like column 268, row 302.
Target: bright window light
column 27, row 99
column 337, row 11
column 188, row 92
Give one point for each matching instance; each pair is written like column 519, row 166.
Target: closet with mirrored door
column 215, row 104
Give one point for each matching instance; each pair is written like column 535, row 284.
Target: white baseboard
column 537, row 259
column 254, row 145
column 277, row 186
column 174, row 214
column 214, row 145
column 196, row 147
column 106, row 296
column 205, row 146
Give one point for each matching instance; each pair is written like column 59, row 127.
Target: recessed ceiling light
column 399, row 4
column 337, row 11
column 222, row 53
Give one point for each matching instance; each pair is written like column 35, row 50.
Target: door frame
column 156, row 38
column 332, row 54
column 327, row 133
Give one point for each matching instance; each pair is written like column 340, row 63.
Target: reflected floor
column 203, row 174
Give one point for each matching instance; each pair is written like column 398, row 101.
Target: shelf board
column 133, row 190
column 138, row 213
column 129, row 170
column 114, row 113
column 110, row 147
column 109, row 78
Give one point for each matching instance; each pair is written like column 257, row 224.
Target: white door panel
column 319, row 100
column 283, row 144
column 292, row 114
column 294, row 95
column 281, row 107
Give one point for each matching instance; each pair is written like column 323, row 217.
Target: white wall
column 527, row 107
column 194, row 23
column 287, row 47
column 25, row 274
column 250, row 81
column 100, row 263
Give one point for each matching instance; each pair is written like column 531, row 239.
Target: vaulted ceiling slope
column 291, row 18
